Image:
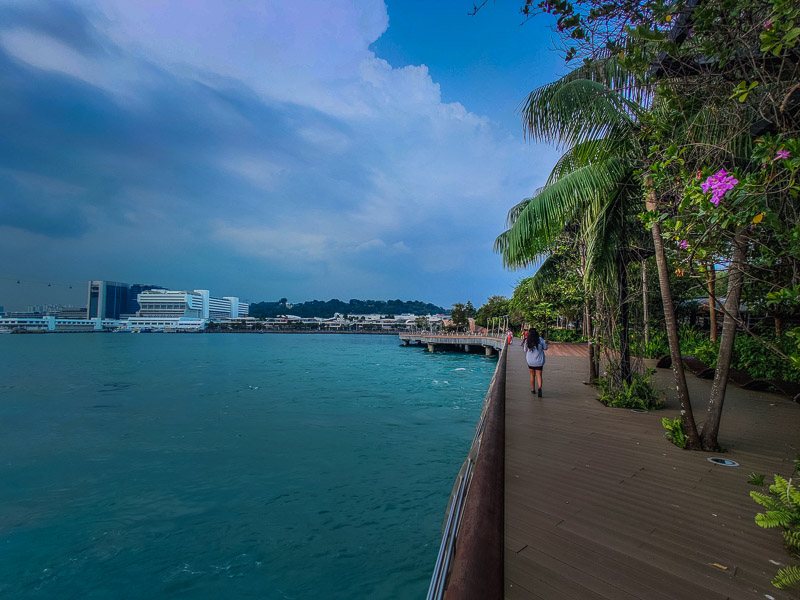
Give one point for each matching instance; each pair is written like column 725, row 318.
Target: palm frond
column 569, row 112
column 541, row 218
column 607, row 70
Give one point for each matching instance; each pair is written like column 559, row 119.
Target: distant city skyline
column 268, row 149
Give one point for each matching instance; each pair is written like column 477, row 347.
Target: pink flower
column 782, row 154
column 768, row 25
column 718, row 184
column 684, row 244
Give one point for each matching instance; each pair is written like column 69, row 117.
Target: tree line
column 326, row 309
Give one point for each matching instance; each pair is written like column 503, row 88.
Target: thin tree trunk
column 645, row 308
column 687, row 416
column 730, row 322
column 712, row 300
column 624, row 321
column 596, row 335
column 587, row 318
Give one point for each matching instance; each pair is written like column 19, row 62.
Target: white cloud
column 300, row 147
column 44, row 52
column 287, row 246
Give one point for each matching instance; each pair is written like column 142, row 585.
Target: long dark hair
column 532, row 340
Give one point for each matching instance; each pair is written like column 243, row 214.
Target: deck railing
column 470, row 560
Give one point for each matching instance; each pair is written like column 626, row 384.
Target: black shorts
column 535, row 368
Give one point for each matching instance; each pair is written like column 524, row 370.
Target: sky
column 265, row 148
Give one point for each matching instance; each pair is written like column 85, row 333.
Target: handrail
column 493, row 408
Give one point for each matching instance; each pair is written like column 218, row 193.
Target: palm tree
column 596, row 112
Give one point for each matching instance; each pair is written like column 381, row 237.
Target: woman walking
column 534, row 356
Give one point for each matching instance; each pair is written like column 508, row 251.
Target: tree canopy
column 327, row 309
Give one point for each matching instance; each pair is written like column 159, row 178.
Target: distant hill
column 326, row 309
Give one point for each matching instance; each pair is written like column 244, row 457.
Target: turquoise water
column 227, row 466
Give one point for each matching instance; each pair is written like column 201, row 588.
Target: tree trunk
column 645, row 309
column 587, row 318
column 596, row 335
column 730, row 322
column 671, row 324
column 712, row 300
column 624, row 321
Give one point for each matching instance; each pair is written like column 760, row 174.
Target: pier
column 599, row 505
column 467, row 342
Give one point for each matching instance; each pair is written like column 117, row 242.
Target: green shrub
column 565, row 335
column 782, row 510
column 761, row 362
column 618, row 394
column 674, row 431
column 656, row 347
column 749, row 354
column 698, row 344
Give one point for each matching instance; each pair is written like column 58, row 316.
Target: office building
column 112, row 299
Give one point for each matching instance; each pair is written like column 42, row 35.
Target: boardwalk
column 600, row 506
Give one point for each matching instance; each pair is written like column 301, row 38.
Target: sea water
column 227, row 466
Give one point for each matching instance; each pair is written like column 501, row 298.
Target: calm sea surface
column 227, row 466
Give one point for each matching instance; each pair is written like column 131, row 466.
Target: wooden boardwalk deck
column 599, row 505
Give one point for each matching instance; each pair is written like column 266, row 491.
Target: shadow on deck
column 598, row 504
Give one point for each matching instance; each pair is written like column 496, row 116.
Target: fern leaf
column 791, row 540
column 779, row 487
column 767, row 502
column 772, row 518
column 787, row 577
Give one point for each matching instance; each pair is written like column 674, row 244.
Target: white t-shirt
column 535, row 357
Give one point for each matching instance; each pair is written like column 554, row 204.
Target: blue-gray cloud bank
column 263, row 153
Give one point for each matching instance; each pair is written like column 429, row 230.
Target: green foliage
column 674, row 431
column 749, row 354
column 565, row 335
column 616, row 393
column 756, row 479
column 470, row 310
column 650, row 115
column 698, row 344
column 496, row 306
column 326, row 309
column 556, row 290
column 782, row 509
column 760, row 362
column 458, row 315
column 656, row 347
column 782, row 30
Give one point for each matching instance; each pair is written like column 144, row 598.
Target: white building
column 173, row 310
column 53, row 323
column 198, row 304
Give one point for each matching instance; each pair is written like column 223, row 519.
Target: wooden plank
column 576, row 472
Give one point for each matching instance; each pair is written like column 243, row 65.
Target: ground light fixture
column 724, row 462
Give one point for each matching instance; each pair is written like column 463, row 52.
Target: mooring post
column 431, row 347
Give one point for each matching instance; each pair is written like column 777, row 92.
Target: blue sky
column 264, row 149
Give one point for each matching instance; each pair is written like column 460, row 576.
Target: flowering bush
column 718, row 184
